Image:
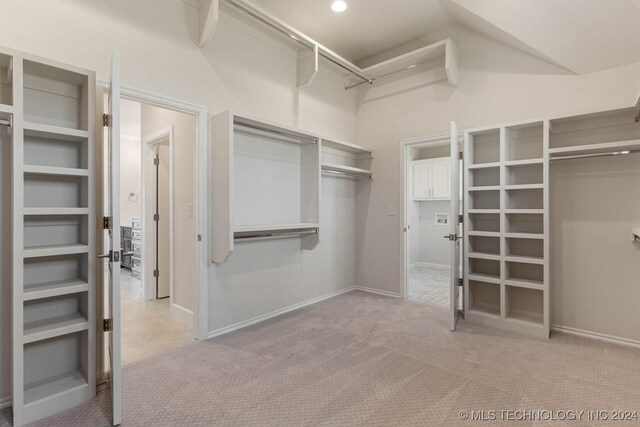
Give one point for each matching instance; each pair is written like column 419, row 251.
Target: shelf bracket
column 208, row 17
column 307, row 67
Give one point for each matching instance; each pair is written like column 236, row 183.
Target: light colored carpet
column 429, row 285
column 363, row 359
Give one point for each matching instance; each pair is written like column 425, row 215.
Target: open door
column 112, row 255
column 454, row 224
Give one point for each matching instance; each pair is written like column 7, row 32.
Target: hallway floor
column 147, row 326
column 428, row 285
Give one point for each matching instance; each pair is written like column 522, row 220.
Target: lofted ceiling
column 582, row 36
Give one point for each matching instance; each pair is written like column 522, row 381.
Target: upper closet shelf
column 361, row 152
column 347, row 170
column 618, row 147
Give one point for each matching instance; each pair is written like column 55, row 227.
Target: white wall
column 130, row 162
column 238, row 69
column 184, row 273
column 497, row 84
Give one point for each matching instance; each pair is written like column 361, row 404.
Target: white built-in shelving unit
column 51, row 110
column 506, row 227
column 266, row 180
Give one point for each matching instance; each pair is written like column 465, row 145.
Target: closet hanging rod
column 267, row 132
column 346, row 174
column 240, row 235
column 300, row 38
column 586, row 156
column 410, row 67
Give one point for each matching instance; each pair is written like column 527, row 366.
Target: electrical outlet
column 391, row 210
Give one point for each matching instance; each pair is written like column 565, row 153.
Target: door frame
column 200, row 314
column 149, row 149
column 405, row 198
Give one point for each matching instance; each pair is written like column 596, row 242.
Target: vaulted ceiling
column 582, row 36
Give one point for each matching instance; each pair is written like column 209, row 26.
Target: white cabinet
column 431, row 179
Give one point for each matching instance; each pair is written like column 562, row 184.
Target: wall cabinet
column 431, row 179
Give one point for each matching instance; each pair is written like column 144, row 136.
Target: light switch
column 391, row 210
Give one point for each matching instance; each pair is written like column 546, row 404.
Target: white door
column 454, row 233
column 113, row 274
column 440, row 181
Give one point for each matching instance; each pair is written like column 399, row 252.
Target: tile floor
column 147, row 326
column 428, row 285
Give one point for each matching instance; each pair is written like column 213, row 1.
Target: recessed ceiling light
column 339, row 6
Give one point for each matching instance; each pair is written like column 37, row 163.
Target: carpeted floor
column 429, row 285
column 368, row 360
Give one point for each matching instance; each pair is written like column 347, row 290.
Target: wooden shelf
column 524, row 187
column 274, row 227
column 524, row 211
column 348, row 170
column 45, row 251
column 484, row 278
column 484, row 233
column 524, row 236
column 522, row 283
column 6, row 109
column 55, row 132
column 589, row 149
column 48, row 170
column 481, row 255
column 347, row 146
column 526, row 162
column 485, row 188
column 54, row 387
column 56, row 211
column 54, row 289
column 524, row 259
column 483, row 211
column 485, row 311
column 523, row 317
column 54, row 327
column 485, row 165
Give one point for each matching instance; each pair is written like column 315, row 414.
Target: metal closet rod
column 307, row 44
column 410, row 67
column 347, row 174
column 586, row 156
column 273, row 233
column 285, row 137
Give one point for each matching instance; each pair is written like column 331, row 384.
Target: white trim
column 258, row 319
column 202, row 261
column 182, row 314
column 5, row 402
column 596, row 336
column 378, row 292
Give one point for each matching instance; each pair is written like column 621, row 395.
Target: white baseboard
column 5, row 402
column 182, row 314
column 432, row 265
column 258, row 319
column 596, row 336
column 378, row 292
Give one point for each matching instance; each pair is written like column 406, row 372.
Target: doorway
column 429, row 217
column 158, row 229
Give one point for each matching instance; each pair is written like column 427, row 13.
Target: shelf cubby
column 56, row 191
column 6, row 79
column 55, row 367
column 524, row 304
column 55, row 96
column 485, row 268
column 55, row 230
column 346, row 159
column 525, row 223
column 484, row 297
column 529, row 248
column 485, row 177
column 484, row 199
column 524, row 142
column 525, row 198
column 55, row 275
column 484, row 245
column 484, row 222
column 591, row 132
column 524, row 174
column 55, row 316
column 485, row 147
column 525, row 272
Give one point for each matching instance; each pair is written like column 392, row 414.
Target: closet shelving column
column 507, row 227
column 346, row 159
column 53, row 241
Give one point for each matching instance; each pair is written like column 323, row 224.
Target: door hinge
column 460, row 219
column 156, row 217
column 156, row 273
column 461, row 281
column 461, row 314
column 460, row 155
column 199, row 237
column 156, row 161
column 106, row 222
column 107, row 325
column 107, row 120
